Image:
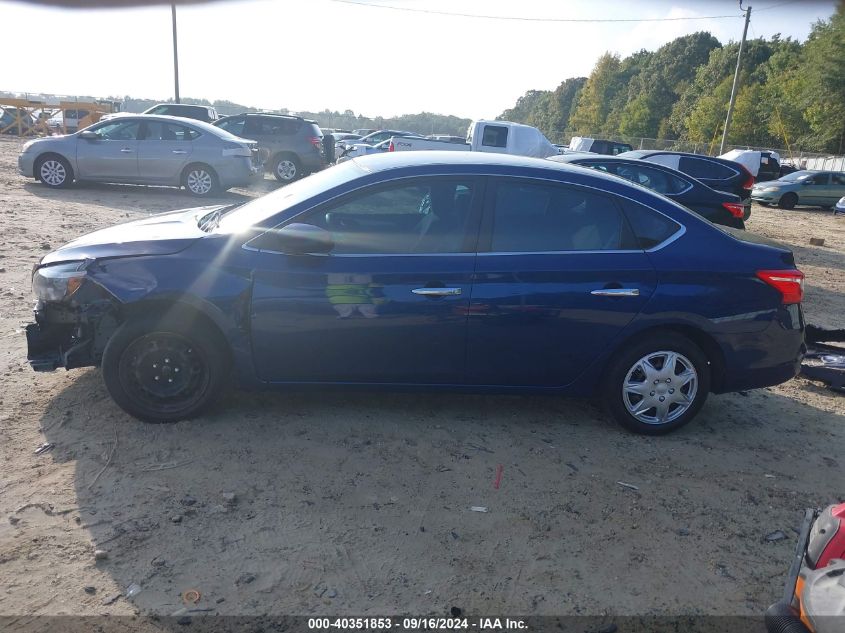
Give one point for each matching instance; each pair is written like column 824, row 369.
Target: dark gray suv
column 290, row 146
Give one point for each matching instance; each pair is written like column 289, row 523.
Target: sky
column 311, row 55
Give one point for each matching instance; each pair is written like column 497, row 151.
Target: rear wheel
column 286, row 168
column 788, row 201
column 657, row 385
column 165, row 369
column 200, row 181
column 54, row 171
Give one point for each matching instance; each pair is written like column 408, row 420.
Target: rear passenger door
column 559, row 275
column 164, row 151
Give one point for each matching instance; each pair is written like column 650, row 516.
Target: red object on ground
column 834, row 546
column 499, row 470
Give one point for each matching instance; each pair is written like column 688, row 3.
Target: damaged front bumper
column 68, row 336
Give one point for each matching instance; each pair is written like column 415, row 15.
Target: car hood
column 161, row 234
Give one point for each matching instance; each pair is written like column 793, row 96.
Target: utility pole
column 736, row 80
column 176, row 50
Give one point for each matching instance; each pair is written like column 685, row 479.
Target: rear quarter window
column 703, row 168
column 650, row 227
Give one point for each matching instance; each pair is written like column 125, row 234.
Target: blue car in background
column 426, row 270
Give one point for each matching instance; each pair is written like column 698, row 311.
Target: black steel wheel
column 164, row 372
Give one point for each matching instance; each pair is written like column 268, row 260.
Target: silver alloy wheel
column 53, row 172
column 286, row 169
column 660, row 387
column 199, row 181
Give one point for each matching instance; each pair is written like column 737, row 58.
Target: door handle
column 617, row 292
column 437, row 292
column 179, row 151
column 126, row 150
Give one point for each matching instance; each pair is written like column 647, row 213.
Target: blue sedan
column 427, row 270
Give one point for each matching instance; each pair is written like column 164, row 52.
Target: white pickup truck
column 502, row 137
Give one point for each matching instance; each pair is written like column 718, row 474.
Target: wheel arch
column 198, row 163
column 702, row 339
column 36, row 164
column 185, row 308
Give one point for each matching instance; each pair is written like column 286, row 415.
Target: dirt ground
column 360, row 504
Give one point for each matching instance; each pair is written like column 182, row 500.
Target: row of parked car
column 191, row 146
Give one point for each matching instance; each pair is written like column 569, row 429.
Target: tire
column 145, row 352
column 200, row 181
column 691, row 368
column 286, row 168
column 54, row 171
column 788, row 201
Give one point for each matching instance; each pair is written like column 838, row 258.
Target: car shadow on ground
column 354, row 503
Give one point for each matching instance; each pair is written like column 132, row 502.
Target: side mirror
column 88, row 135
column 297, row 239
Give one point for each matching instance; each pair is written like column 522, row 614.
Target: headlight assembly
column 57, row 283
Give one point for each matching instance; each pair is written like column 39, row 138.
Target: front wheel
column 788, row 201
column 163, row 369
column 657, row 385
column 54, row 171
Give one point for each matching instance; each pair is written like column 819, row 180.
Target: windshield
column 260, row 209
column 797, row 176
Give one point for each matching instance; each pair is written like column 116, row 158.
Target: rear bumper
column 765, row 358
column 239, row 173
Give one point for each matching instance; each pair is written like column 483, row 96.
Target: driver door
column 113, row 155
column 389, row 304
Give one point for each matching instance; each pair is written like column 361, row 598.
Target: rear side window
column 159, row 131
column 271, row 126
column 703, row 168
column 655, row 179
column 650, row 227
column 495, row 136
column 838, row 179
column 530, row 217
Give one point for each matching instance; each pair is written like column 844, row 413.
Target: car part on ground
column 290, row 146
column 825, row 362
column 463, row 271
column 146, row 150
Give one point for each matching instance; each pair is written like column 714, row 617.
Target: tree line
column 792, row 94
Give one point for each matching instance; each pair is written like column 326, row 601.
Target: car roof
column 397, row 160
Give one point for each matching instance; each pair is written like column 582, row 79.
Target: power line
column 524, row 19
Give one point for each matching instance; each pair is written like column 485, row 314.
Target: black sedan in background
column 719, row 173
column 719, row 207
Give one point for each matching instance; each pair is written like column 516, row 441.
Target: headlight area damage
column 74, row 317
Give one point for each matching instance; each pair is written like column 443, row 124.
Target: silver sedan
column 145, row 150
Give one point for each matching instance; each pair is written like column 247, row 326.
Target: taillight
column 317, row 142
column 749, row 181
column 790, row 283
column 736, row 209
column 391, row 147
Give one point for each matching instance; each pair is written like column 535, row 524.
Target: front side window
column 818, row 179
column 539, row 218
column 118, row 131
column 421, row 216
column 495, row 136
